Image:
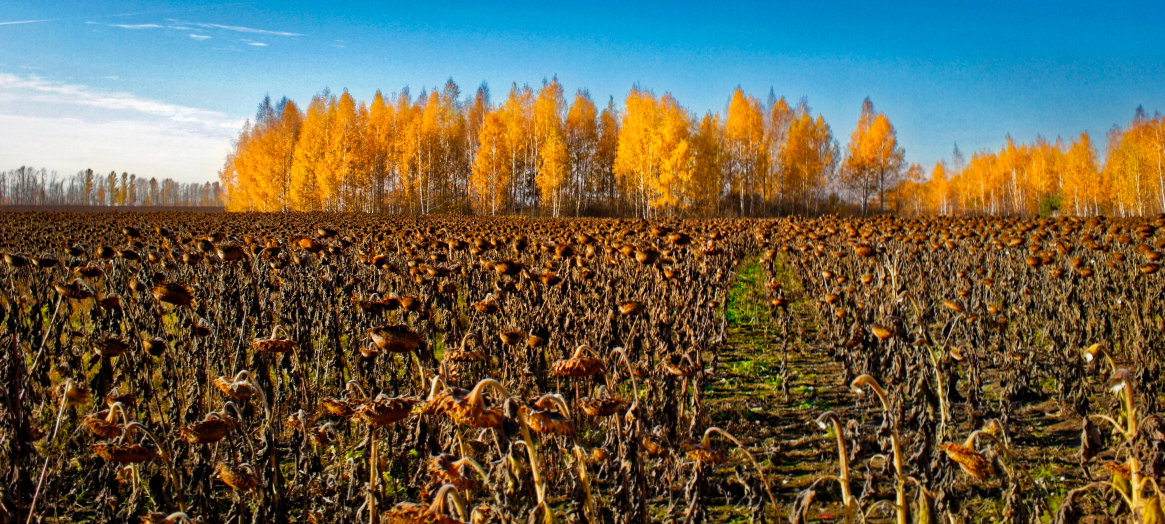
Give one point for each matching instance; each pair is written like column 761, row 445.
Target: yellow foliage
column 490, row 177
column 552, row 168
column 439, row 153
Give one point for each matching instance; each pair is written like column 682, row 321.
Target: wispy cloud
column 72, row 126
column 241, row 29
column 76, row 94
column 149, row 149
column 136, row 26
column 16, row 22
column 177, row 25
column 170, row 23
column 112, row 15
column 257, row 44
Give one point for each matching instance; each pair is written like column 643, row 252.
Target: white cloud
column 83, row 95
column 200, row 37
column 69, row 127
column 15, row 22
column 257, row 44
column 149, row 149
column 242, row 29
column 136, row 26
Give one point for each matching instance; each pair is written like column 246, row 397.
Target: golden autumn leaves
column 534, row 150
column 874, row 157
column 1045, row 176
column 441, row 152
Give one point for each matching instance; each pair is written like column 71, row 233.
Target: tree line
column 28, row 186
column 538, row 153
column 1045, row 177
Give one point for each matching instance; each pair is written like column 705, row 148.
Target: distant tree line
column 538, row 152
column 28, row 186
column 1043, row 177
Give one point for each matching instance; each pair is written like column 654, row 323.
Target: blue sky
column 161, row 88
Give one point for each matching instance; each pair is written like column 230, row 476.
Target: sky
column 161, row 88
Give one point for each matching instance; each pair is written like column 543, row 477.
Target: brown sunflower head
column 435, row 513
column 549, row 415
column 396, row 338
column 174, row 294
column 239, row 387
column 601, row 407
column 704, row 453
column 123, row 453
column 384, row 410
column 212, row 428
column 75, row 290
column 467, row 407
column 278, row 342
column 970, row 461
column 579, row 364
column 630, row 308
column 463, row 353
column 240, row 478
column 487, row 306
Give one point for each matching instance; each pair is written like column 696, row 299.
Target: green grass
column 784, row 274
column 747, row 300
column 760, row 367
column 438, row 345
